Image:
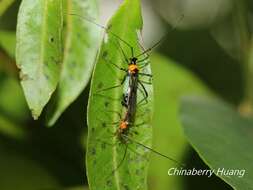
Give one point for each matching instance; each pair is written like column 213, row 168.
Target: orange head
column 123, row 125
column 133, row 69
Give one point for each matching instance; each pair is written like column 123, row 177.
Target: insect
column 124, row 133
column 133, row 70
column 127, row 133
column 133, row 83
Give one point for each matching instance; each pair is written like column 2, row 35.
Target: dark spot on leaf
column 56, row 61
column 125, row 186
column 52, row 39
column 93, row 151
column 100, row 85
column 92, row 129
column 78, row 35
column 103, row 145
column 105, row 54
column 103, row 124
column 107, row 104
column 109, row 183
column 47, row 77
column 94, row 162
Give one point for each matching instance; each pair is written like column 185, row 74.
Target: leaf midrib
column 43, row 36
column 115, row 162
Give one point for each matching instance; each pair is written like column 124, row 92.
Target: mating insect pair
column 132, row 83
column 131, row 99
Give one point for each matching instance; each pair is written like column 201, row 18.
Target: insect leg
column 144, row 92
column 116, row 86
column 123, row 53
column 144, row 97
column 145, row 82
column 121, row 162
column 145, row 74
column 154, row 151
column 120, row 68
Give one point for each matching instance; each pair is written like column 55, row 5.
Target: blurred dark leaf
column 221, row 136
column 8, row 20
column 227, row 36
column 197, row 14
column 198, row 51
column 4, row 5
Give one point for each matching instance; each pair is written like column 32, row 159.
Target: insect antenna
column 162, row 39
column 154, row 151
column 105, row 28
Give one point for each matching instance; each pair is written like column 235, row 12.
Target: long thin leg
column 143, row 49
column 118, row 113
column 154, row 151
column 145, row 74
column 145, row 82
column 144, row 65
column 142, row 60
column 103, row 141
column 158, row 42
column 131, row 47
column 116, row 86
column 144, row 96
column 143, row 87
column 123, row 53
column 139, row 124
column 120, row 68
column 121, row 162
column 107, row 97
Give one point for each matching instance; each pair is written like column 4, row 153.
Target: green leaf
column 171, row 81
column 4, row 5
column 106, row 168
column 38, row 51
column 221, row 137
column 81, row 41
column 8, row 42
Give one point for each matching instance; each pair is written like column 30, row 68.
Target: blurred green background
column 200, row 55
